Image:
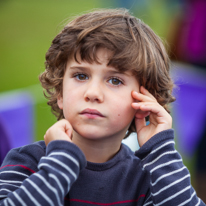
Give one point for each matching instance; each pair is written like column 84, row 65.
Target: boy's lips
column 92, row 113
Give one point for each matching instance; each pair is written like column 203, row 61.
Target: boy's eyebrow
column 119, row 72
column 76, row 67
column 110, row 70
column 79, row 67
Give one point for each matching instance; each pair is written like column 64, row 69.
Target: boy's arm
column 27, row 177
column 169, row 178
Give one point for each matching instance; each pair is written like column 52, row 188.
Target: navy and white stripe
column 48, row 185
column 169, row 178
column 156, row 173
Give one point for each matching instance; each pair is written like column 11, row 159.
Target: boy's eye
column 81, row 77
column 115, row 81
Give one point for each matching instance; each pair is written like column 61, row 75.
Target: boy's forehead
column 101, row 56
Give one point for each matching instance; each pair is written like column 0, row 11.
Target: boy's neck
column 97, row 151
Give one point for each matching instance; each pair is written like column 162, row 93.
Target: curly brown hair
column 134, row 47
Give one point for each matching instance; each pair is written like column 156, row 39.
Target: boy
column 105, row 73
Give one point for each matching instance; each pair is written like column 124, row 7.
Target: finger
column 142, row 97
column 139, row 123
column 144, row 106
column 140, row 114
column 152, row 107
column 61, row 130
column 144, row 91
column 66, row 126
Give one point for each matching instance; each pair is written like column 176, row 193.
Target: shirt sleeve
column 28, row 176
column 169, row 179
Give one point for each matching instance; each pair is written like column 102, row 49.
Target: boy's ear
column 60, row 101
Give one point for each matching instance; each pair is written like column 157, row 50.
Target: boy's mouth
column 91, row 113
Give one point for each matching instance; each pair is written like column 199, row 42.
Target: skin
column 99, row 104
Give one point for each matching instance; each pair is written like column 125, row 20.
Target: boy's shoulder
column 26, row 155
column 36, row 149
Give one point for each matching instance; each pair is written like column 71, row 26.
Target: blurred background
column 26, row 31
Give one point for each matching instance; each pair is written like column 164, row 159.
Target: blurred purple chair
column 4, row 141
column 16, row 121
column 189, row 110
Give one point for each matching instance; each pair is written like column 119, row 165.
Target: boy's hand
column 61, row 130
column 159, row 118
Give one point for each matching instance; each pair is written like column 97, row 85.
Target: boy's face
column 97, row 98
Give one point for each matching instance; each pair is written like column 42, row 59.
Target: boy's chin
column 91, row 135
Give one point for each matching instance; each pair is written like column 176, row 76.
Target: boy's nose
column 94, row 93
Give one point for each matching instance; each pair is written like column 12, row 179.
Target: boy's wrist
column 67, row 148
column 152, row 143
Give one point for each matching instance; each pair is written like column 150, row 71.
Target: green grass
column 27, row 29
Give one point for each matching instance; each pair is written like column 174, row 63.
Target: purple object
column 17, row 118
column 196, row 42
column 189, row 110
column 191, row 35
column 4, row 141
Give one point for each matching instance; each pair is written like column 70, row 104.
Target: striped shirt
column 59, row 175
